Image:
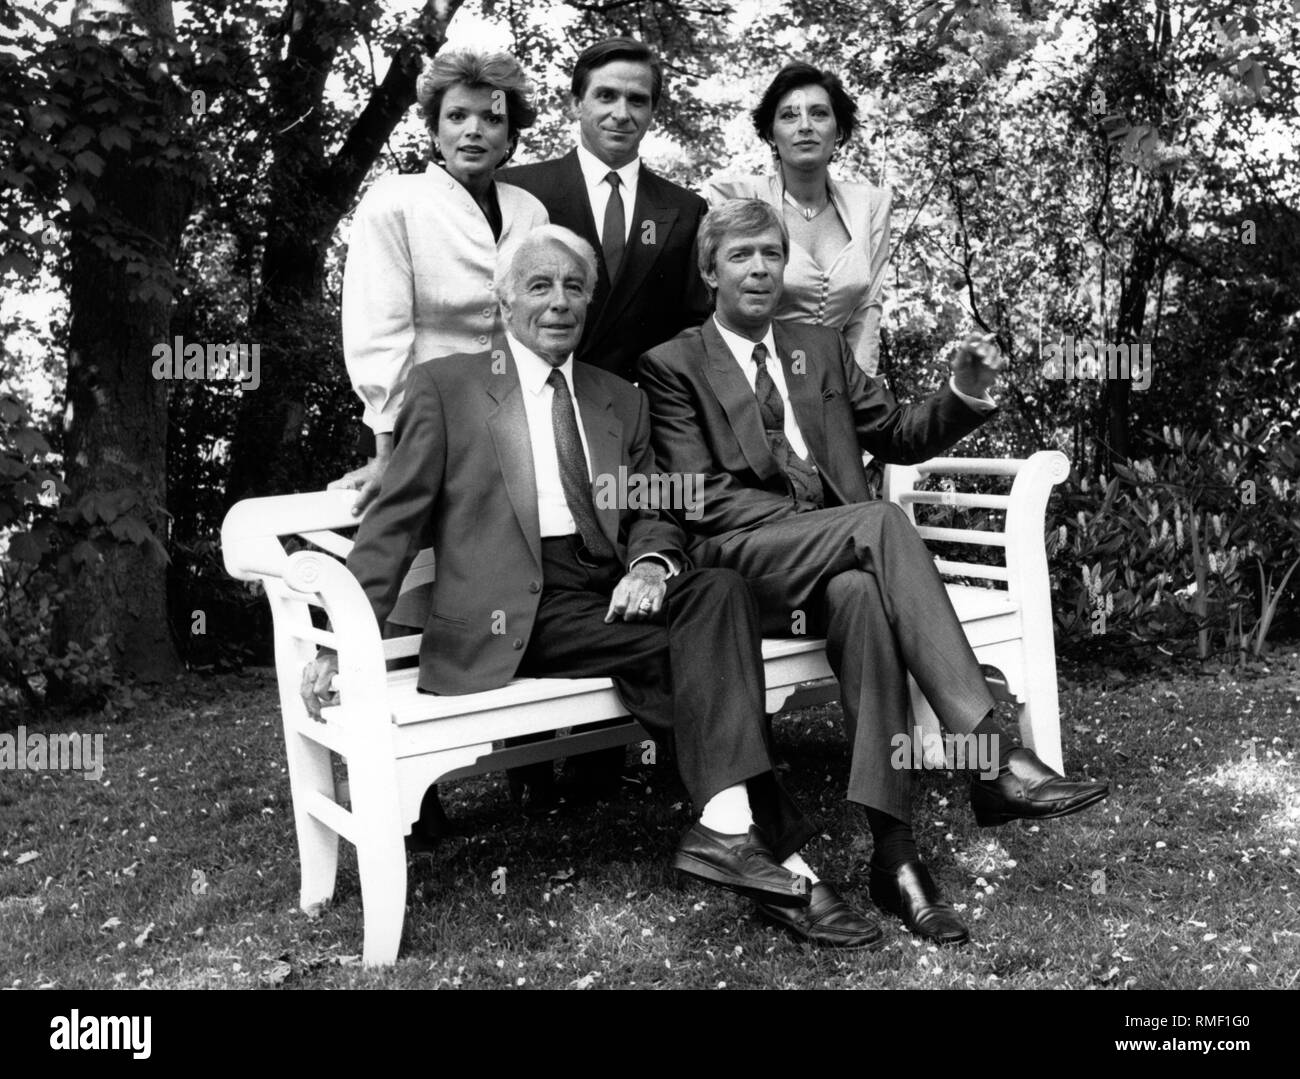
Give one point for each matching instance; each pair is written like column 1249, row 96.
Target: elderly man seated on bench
column 495, row 456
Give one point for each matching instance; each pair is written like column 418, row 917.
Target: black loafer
column 1026, row 788
column 742, row 863
column 827, row 921
column 910, row 893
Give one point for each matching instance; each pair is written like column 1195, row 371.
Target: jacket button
column 482, row 340
column 517, row 644
column 534, row 587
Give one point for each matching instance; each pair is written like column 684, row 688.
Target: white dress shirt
column 594, row 172
column 553, row 516
column 552, row 507
column 742, row 348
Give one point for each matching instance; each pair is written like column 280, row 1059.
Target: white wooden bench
column 397, row 742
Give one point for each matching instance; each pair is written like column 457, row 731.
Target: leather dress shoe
column 910, row 893
column 1026, row 787
column 742, row 863
column 827, row 920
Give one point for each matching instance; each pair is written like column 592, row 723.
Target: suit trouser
column 696, row 668
column 862, row 576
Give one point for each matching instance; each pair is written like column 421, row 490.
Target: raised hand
column 976, row 364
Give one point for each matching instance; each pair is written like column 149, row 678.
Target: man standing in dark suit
column 648, row 287
column 775, row 416
column 642, row 225
column 495, row 456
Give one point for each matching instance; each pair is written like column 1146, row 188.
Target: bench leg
column 318, row 844
column 381, row 854
column 381, row 861
column 1040, row 723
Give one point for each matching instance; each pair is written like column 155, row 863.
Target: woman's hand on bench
column 368, row 477
column 317, row 683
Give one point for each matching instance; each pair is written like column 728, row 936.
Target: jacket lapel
column 508, row 425
column 804, row 387
column 604, row 431
column 738, row 401
column 577, row 207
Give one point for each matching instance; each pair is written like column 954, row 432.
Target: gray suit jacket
column 705, row 420
column 462, row 473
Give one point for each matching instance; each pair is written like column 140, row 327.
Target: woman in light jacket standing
column 421, row 264
column 418, row 282
column 839, row 232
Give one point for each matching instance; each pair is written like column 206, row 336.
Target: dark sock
column 892, row 838
column 989, row 727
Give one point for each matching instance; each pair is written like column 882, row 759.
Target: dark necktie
column 770, row 405
column 805, row 483
column 574, row 476
column 614, row 236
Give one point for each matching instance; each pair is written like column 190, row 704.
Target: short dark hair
column 793, row 76
column 479, row 71
column 742, row 217
column 617, row 48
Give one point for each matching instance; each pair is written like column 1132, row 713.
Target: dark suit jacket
column 659, row 290
column 462, row 472
column 705, row 420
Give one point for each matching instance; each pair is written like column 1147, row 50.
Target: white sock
column 728, row 811
column 796, row 864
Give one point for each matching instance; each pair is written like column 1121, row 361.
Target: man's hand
column 976, row 364
column 639, row 595
column 316, row 679
column 368, row 477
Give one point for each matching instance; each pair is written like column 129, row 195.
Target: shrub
column 1194, row 547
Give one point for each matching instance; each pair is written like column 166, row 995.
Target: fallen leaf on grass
column 139, row 941
column 112, row 923
column 276, row 974
column 27, row 856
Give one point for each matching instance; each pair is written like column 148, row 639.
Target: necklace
column 807, row 214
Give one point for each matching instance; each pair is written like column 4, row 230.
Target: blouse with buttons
column 419, row 281
column 847, row 293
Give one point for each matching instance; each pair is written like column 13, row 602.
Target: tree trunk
column 310, row 193
column 115, row 419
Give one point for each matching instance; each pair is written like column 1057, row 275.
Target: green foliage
column 32, row 533
column 1086, row 169
column 1178, row 550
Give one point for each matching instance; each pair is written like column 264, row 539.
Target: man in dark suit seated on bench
column 775, row 416
column 496, row 454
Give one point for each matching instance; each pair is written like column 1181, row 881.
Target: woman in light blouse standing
column 839, row 232
column 418, row 282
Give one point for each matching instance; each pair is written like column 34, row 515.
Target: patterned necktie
column 574, row 476
column 770, row 405
column 805, row 484
column 614, row 235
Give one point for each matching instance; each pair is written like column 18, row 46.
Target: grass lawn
column 179, row 868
